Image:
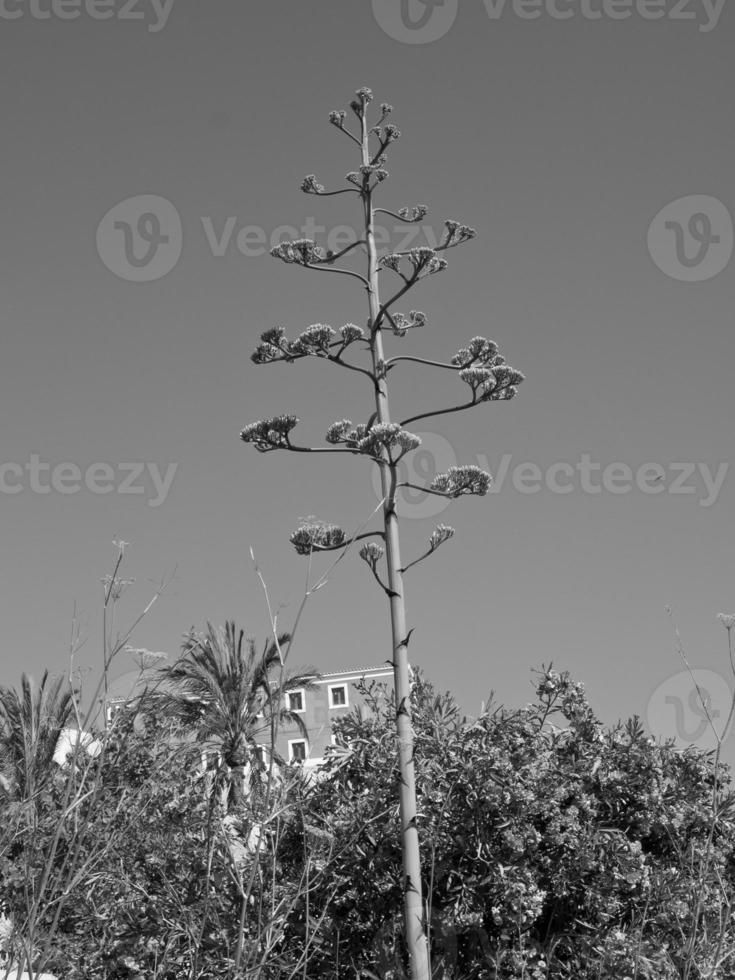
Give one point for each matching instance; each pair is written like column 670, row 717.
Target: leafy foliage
column 554, row 848
column 229, row 696
column 574, row 848
column 31, row 722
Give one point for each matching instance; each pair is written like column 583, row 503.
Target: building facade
column 333, row 695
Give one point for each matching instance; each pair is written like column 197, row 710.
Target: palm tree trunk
column 237, row 781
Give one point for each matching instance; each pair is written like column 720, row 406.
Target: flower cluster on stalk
column 364, row 98
column 416, row 213
column 343, row 432
column 315, row 341
column 371, row 553
column 423, row 260
column 385, row 135
column 388, row 435
column 388, row 134
column 401, row 323
column 478, row 351
column 300, row 251
column 485, row 371
column 316, row 536
column 440, row 534
column 492, row 384
column 373, row 440
column 268, row 434
column 503, row 386
column 459, row 480
column 361, row 178
column 310, row 185
column 457, row 234
column 350, row 333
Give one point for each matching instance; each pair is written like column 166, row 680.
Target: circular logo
column 691, row 239
column 434, row 455
column 140, row 239
column 675, row 709
column 415, row 21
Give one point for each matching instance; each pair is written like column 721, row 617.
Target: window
column 337, row 695
column 295, row 700
column 297, row 750
column 113, row 708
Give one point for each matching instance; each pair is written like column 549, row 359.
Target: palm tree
column 31, row 722
column 230, row 697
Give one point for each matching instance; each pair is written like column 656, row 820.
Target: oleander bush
column 551, row 850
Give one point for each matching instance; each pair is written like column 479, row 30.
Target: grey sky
column 560, row 141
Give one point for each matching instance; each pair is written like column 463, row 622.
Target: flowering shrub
column 559, row 852
column 555, row 849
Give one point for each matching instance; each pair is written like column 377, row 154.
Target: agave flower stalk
column 384, row 442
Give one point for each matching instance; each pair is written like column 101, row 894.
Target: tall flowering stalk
column 479, row 366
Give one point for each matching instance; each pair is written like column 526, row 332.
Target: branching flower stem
column 429, row 551
column 344, row 251
column 378, row 579
column 319, row 449
column 441, row 411
column 345, row 190
column 435, row 493
column 382, row 311
column 339, row 272
column 393, row 214
column 419, row 360
column 416, row 941
column 346, row 544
